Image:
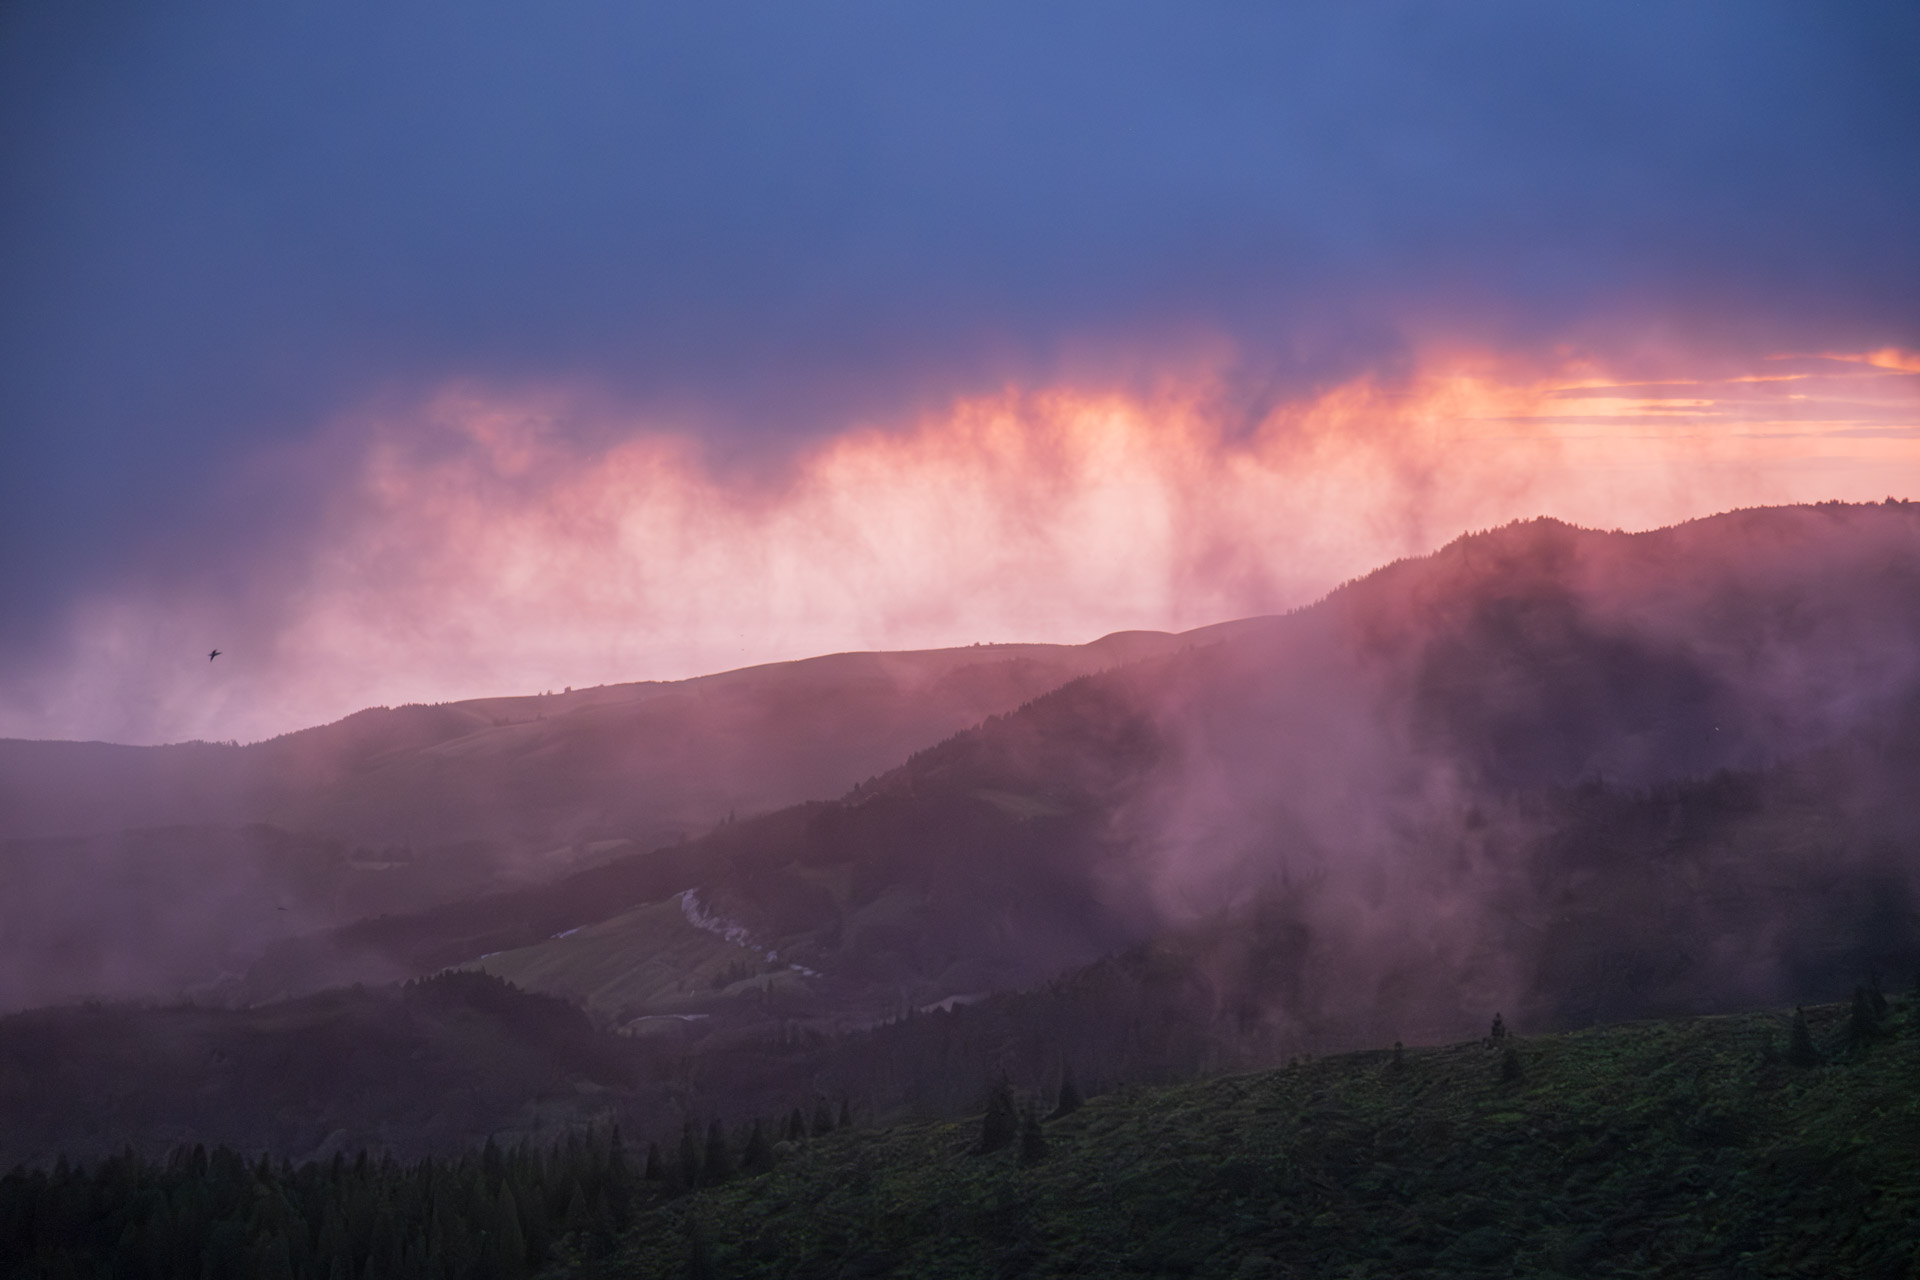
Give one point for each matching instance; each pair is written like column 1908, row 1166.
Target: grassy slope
column 1665, row 1148
column 646, row 959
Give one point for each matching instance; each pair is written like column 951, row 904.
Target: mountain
column 1433, row 781
column 157, row 870
column 1557, row 771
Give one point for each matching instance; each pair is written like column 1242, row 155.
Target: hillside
column 650, row 761
column 1686, row 1148
column 1718, row 1146
column 433, row 1066
column 160, row 871
column 1573, row 773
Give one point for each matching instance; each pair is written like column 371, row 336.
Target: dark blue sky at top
column 222, row 225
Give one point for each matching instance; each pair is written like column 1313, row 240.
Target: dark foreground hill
column 1689, row 1148
column 1721, row 1146
column 432, row 1066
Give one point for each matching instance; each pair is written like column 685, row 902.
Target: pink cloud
column 475, row 546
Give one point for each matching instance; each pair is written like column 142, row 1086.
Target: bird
column 213, row 655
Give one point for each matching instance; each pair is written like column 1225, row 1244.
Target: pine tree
column 1863, row 1021
column 579, row 1215
column 1001, row 1123
column 1033, row 1143
column 822, row 1119
column 1070, row 1099
column 508, row 1241
column 719, row 1159
column 759, row 1154
column 618, row 1183
column 1800, row 1050
column 1499, row 1031
column 689, row 1158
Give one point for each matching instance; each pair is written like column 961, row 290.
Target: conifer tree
column 1001, row 1123
column 618, row 1184
column 759, row 1153
column 719, row 1160
column 509, row 1243
column 1800, row 1050
column 689, row 1158
column 579, row 1215
column 1499, row 1031
column 1033, row 1143
column 822, row 1119
column 1863, row 1021
column 1070, row 1099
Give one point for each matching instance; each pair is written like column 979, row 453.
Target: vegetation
column 1690, row 1147
column 427, row 1067
column 215, row 1215
column 1754, row 1144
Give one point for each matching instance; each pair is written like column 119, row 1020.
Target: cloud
column 470, row 543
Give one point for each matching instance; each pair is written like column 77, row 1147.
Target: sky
column 424, row 351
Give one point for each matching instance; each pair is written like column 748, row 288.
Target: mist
column 471, row 546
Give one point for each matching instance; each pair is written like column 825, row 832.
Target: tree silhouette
column 1033, row 1143
column 1800, row 1050
column 1863, row 1018
column 1070, row 1099
column 1002, row 1122
column 689, row 1157
column 719, row 1166
column 759, row 1153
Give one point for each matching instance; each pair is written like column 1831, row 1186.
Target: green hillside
column 1692, row 1147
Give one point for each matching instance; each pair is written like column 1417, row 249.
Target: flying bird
column 213, row 655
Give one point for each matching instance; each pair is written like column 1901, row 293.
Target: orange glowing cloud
column 478, row 548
